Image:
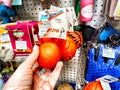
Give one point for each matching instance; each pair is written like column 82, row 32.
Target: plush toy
column 7, row 13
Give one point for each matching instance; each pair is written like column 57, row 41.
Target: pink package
column 33, row 29
column 20, row 39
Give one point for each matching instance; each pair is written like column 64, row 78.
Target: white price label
column 107, row 78
column 43, row 28
column 5, row 38
column 35, row 38
column 105, row 85
column 69, row 19
column 108, row 52
column 21, row 45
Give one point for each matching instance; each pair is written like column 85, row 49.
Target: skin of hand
column 26, row 76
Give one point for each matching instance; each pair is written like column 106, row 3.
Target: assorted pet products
column 55, row 28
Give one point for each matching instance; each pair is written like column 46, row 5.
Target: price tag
column 105, row 85
column 35, row 38
column 43, row 28
column 21, row 45
column 108, row 52
column 5, row 38
column 108, row 79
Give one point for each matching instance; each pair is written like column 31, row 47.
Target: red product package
column 33, row 29
column 20, row 39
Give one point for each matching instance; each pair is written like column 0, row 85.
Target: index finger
column 31, row 59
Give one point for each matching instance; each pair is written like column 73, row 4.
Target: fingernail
column 60, row 63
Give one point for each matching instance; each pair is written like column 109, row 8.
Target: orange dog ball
column 95, row 85
column 50, row 54
column 47, row 40
column 68, row 48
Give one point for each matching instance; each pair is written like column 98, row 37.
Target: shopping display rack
column 31, row 8
column 73, row 70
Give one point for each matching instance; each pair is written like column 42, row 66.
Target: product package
column 53, row 23
column 6, row 53
column 86, row 12
column 117, row 11
column 33, row 30
column 71, row 18
column 4, row 37
column 20, row 39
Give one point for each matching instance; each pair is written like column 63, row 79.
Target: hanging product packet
column 4, row 37
column 53, row 23
column 117, row 11
column 20, row 39
column 33, row 30
column 75, row 21
column 69, row 14
column 71, row 17
column 112, row 7
column 33, row 27
column 6, row 53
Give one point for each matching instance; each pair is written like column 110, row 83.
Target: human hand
column 22, row 79
column 47, row 81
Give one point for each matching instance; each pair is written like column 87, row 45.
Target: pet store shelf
column 73, row 70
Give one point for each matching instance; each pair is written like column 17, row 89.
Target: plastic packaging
column 86, row 12
column 117, row 11
column 112, row 7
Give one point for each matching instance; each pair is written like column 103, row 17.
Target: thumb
column 31, row 59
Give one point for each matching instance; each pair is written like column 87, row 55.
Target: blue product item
column 99, row 66
column 6, row 13
column 1, row 84
column 16, row 2
column 107, row 31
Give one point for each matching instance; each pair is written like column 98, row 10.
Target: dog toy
column 7, row 12
column 99, row 66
